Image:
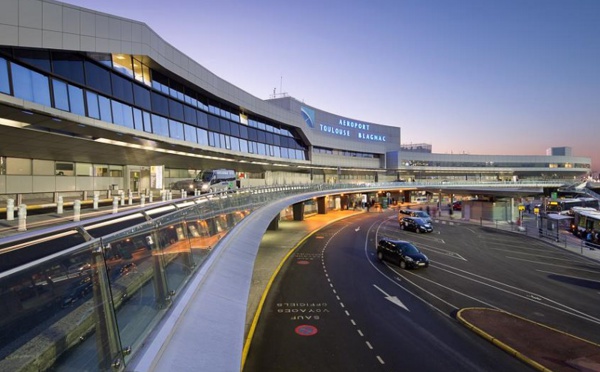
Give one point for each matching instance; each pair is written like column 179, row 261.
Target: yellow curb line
column 270, row 283
column 504, row 346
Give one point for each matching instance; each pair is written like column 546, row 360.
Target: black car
column 401, row 252
column 415, row 224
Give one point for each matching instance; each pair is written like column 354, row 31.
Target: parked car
column 457, row 205
column 402, row 253
column 414, row 213
column 416, row 224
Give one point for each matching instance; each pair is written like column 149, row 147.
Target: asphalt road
column 334, row 307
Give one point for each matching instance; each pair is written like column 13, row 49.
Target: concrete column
column 298, row 210
column 274, row 224
column 321, row 205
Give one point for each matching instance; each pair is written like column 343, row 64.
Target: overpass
column 198, row 259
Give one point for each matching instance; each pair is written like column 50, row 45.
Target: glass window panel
column 141, row 72
column 76, row 100
column 213, row 123
column 277, row 151
column 141, row 97
column 84, row 169
column 100, row 170
column 103, row 58
column 123, row 64
column 214, row 110
column 211, row 139
column 269, row 128
column 4, row 82
column 117, row 111
column 224, row 126
column 202, row 119
column 122, row 88
column 284, row 153
column 262, row 136
column 138, row 121
column 202, row 136
column 261, row 125
column 262, row 149
column 147, row 122
column 243, row 145
column 176, row 110
column 160, row 104
column 65, row 168
column 190, row 115
column 35, row 57
column 160, row 125
column 43, row 167
column 225, row 142
column 176, row 130
column 105, row 112
column 93, row 110
column 30, row 85
column 269, row 138
column 234, row 129
column 251, row 149
column 276, row 140
column 252, row 134
column 18, row 166
column 202, row 103
column 97, row 77
column 69, row 66
column 61, row 95
column 190, row 133
column 235, row 144
column 235, row 118
column 243, row 132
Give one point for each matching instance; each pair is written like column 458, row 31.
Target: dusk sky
column 510, row 77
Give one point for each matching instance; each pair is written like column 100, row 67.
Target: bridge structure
column 113, row 301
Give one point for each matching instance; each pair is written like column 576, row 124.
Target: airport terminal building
column 91, row 101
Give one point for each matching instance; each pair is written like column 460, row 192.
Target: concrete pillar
column 274, row 224
column 321, row 205
column 298, row 210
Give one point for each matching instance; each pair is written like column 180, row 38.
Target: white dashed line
column 347, row 313
column 380, row 360
column 353, row 322
column 360, row 333
column 369, row 345
column 334, row 291
column 342, row 304
column 338, row 298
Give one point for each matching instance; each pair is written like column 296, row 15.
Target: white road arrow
column 358, row 228
column 393, row 299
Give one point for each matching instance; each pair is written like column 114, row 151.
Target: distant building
column 559, row 151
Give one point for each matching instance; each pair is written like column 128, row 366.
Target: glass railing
column 89, row 306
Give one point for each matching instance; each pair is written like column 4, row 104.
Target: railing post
column 130, row 197
column 161, row 291
column 59, row 205
column 10, row 209
column 77, row 210
column 142, row 200
column 96, row 197
column 108, row 344
column 22, row 217
column 115, row 204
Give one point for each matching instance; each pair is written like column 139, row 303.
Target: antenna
column 281, row 92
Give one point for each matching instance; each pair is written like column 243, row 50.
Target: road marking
column 360, row 333
column 342, row 304
column 393, row 299
column 347, row 313
column 357, row 229
column 369, row 345
column 380, row 360
column 353, row 322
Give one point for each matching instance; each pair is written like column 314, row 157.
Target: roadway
column 335, row 307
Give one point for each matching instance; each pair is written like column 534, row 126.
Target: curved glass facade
column 120, row 89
